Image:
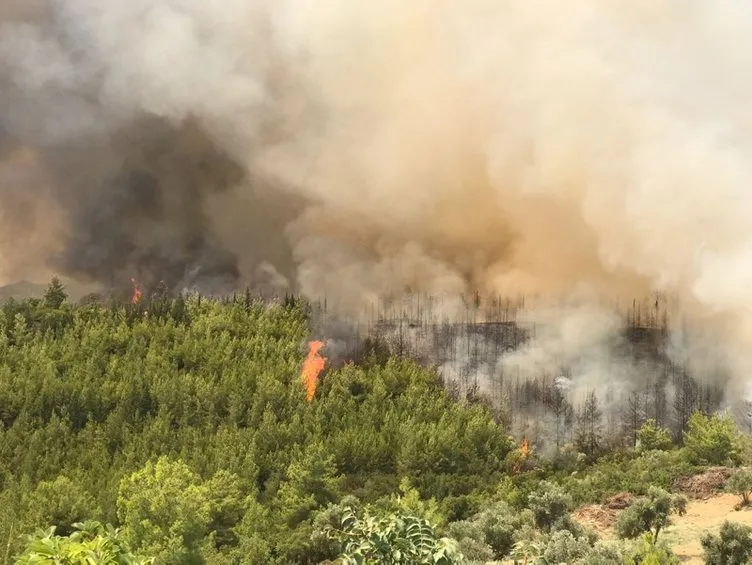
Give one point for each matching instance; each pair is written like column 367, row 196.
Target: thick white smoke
column 597, row 146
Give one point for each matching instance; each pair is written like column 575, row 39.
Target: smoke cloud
column 357, row 150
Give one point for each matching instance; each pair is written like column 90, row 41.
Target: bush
column 604, row 553
column 476, row 551
column 606, row 478
column 328, row 518
column 567, row 524
column 650, row 514
column 516, row 490
column 60, row 503
column 732, row 546
column 746, row 450
column 393, row 538
column 529, row 551
column 649, row 552
column 564, row 547
column 651, row 437
column 408, row 501
column 498, row 528
column 549, row 504
column 91, row 542
column 712, row 441
column 167, row 510
column 740, row 483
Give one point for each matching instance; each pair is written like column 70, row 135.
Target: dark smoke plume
column 100, row 188
column 146, row 217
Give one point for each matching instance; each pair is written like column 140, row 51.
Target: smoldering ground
column 356, row 150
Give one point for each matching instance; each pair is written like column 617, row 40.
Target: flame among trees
column 520, row 458
column 312, row 367
column 136, row 292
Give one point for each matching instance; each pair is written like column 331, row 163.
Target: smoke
column 355, row 150
column 117, row 151
column 579, row 338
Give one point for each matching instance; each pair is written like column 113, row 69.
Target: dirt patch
column 685, row 532
column 706, row 512
column 702, row 516
column 705, row 485
column 619, row 501
column 601, row 517
column 596, row 516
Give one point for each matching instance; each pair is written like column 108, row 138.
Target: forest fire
column 525, row 448
column 523, row 455
column 312, row 367
column 136, row 297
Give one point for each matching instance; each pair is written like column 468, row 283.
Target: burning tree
column 312, row 367
column 136, row 297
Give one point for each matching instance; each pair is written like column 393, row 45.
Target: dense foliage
column 188, row 427
column 393, row 539
column 651, row 437
column 712, row 441
column 731, row 546
column 183, row 424
column 91, row 542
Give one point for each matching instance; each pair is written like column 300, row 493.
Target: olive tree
column 651, row 513
column 740, row 483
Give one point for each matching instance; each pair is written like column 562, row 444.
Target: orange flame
column 136, row 292
column 525, row 448
column 524, row 454
column 312, row 367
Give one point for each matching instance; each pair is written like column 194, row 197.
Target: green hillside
column 184, row 423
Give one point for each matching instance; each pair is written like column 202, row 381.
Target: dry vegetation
column 707, row 510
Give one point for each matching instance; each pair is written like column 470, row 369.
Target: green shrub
column 649, row 552
column 650, row 514
column 731, row 546
column 604, row 552
column 651, row 437
column 392, row 539
column 549, row 504
column 740, row 483
column 498, row 527
column 564, row 547
column 91, row 542
column 409, row 502
column 60, row 503
column 567, row 524
column 746, row 450
column 476, row 551
column 167, row 510
column 712, row 441
column 516, row 490
column 529, row 550
column 331, row 517
column 606, row 478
